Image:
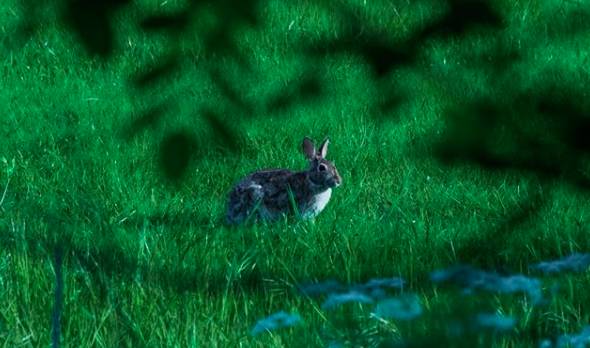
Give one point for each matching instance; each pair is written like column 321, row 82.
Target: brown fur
column 266, row 194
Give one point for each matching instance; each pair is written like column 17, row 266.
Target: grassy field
column 116, row 182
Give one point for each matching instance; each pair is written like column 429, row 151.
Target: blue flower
column 495, row 321
column 335, row 300
column 405, row 307
column 579, row 340
column 275, row 321
column 575, row 262
column 317, row 289
column 395, row 282
column 471, row 278
column 375, row 287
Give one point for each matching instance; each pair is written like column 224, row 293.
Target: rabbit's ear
column 324, row 148
column 308, row 148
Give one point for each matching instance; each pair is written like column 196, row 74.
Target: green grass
column 149, row 262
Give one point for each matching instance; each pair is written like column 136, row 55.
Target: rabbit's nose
column 338, row 181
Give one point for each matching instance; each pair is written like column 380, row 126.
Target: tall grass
column 149, row 262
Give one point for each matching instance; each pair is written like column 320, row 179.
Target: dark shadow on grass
column 175, row 23
column 223, row 135
column 488, row 248
column 390, row 99
column 92, row 21
column 382, row 56
column 157, row 75
column 307, row 89
column 33, row 15
column 371, row 44
column 543, row 133
column 569, row 21
column 463, row 17
column 106, row 261
column 176, row 153
column 148, row 119
column 239, row 106
column 112, row 261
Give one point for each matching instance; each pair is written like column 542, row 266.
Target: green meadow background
column 149, row 262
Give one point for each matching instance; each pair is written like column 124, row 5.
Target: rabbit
column 270, row 194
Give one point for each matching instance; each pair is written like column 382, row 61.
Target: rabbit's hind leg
column 244, row 200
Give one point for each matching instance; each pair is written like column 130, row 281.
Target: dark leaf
column 156, row 74
column 175, row 155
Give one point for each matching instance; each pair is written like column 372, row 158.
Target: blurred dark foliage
column 542, row 132
column 240, row 107
column 223, row 134
column 156, row 75
column 486, row 247
column 29, row 26
column 368, row 43
column 176, row 153
column 149, row 119
column 170, row 22
column 570, row 21
column 308, row 89
column 107, row 261
column 462, row 17
column 381, row 56
column 92, row 21
column 388, row 104
column 468, row 132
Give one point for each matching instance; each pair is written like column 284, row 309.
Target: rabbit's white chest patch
column 318, row 204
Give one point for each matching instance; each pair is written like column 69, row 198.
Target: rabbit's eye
column 322, row 167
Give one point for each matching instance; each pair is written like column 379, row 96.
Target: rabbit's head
column 321, row 172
